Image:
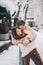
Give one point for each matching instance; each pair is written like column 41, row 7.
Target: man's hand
column 25, row 41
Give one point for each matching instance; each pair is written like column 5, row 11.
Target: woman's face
column 18, row 31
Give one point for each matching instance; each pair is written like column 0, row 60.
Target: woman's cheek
column 19, row 32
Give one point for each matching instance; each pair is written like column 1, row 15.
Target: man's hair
column 20, row 22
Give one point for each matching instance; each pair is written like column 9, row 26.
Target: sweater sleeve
column 14, row 41
column 31, row 33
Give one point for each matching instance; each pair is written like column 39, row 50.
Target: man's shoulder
column 28, row 27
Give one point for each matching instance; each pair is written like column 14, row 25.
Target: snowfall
column 11, row 56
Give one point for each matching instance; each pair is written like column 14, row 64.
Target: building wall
column 36, row 8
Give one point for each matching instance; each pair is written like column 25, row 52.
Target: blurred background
column 29, row 10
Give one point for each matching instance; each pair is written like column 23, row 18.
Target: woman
column 25, row 37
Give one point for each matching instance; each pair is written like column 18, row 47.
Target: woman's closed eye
column 18, row 31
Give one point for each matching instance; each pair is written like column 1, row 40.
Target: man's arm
column 33, row 34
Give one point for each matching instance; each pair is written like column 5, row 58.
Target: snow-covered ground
column 39, row 43
column 11, row 56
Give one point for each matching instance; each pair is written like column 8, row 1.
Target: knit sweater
column 26, row 49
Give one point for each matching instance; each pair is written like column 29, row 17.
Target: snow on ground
column 39, row 43
column 11, row 56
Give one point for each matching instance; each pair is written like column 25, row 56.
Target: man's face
column 21, row 27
